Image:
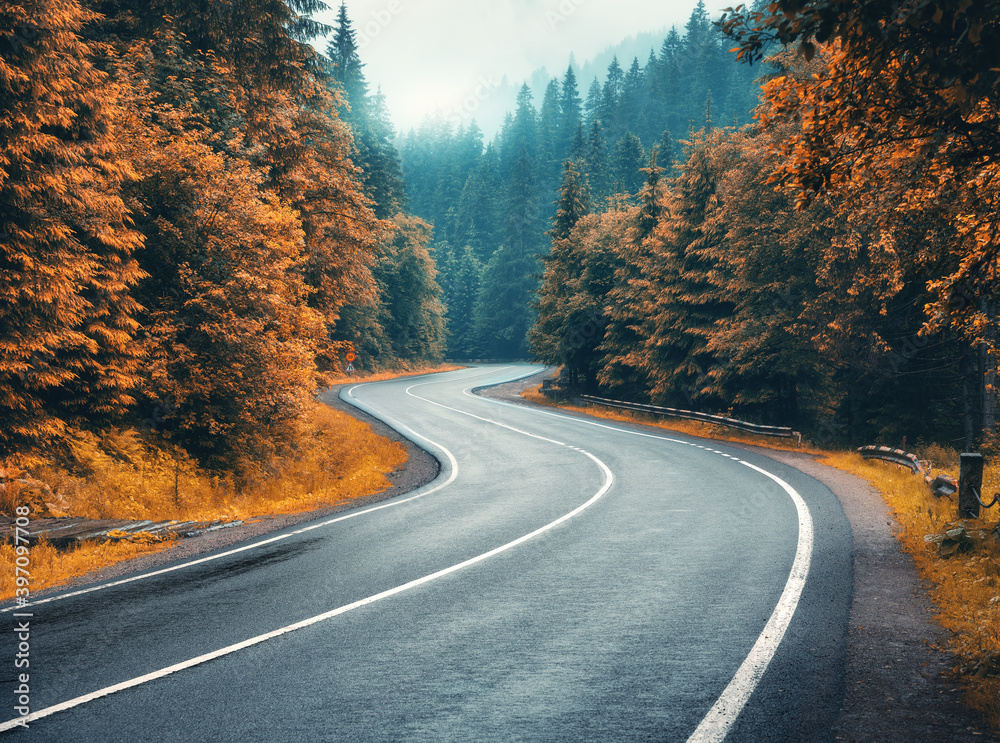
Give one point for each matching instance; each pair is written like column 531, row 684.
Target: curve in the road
column 713, row 727
column 721, row 717
column 206, row 657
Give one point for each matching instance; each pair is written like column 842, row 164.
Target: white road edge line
column 715, row 726
column 264, row 542
column 720, row 719
column 139, row 680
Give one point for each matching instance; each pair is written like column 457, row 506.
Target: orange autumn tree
column 901, row 120
column 67, row 319
column 230, row 339
column 254, row 240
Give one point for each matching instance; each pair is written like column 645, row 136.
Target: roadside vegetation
column 960, row 559
column 121, row 474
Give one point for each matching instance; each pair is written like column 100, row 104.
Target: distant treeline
column 858, row 309
column 491, row 206
column 832, row 266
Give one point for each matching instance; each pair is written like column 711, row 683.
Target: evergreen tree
column 411, row 312
column 611, row 97
column 665, row 153
column 592, row 107
column 466, row 278
column 503, row 313
column 549, row 155
column 522, row 136
column 565, row 332
column 650, row 198
column 347, row 66
column 597, row 164
column 633, row 98
column 230, row 338
column 627, row 162
column 697, row 28
column 570, row 113
column 373, row 149
column 688, row 281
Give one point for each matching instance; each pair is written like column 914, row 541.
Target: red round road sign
column 349, row 357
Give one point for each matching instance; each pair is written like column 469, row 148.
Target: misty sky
column 428, row 54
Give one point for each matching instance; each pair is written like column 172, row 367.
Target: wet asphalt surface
column 624, row 622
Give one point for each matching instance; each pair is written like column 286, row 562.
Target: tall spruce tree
column 570, row 113
column 503, row 312
column 566, row 331
column 688, row 283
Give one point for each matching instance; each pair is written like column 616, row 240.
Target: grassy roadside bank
column 963, row 567
column 123, row 475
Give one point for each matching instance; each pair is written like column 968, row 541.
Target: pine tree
column 597, row 164
column 503, row 313
column 548, row 155
column 688, row 284
column 566, row 331
column 633, row 96
column 230, row 338
column 665, row 153
column 411, row 312
column 592, row 106
column 373, row 150
column 774, row 369
column 611, row 97
column 570, row 113
column 627, row 162
column 650, row 198
column 466, row 278
column 347, row 66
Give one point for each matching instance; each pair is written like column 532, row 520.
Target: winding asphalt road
column 562, row 580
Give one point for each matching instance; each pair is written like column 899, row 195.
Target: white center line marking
column 190, row 663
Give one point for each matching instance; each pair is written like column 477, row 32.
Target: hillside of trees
column 832, row 267
column 491, row 202
column 200, row 217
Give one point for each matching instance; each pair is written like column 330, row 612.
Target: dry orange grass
column 51, row 567
column 966, row 586
column 121, row 475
